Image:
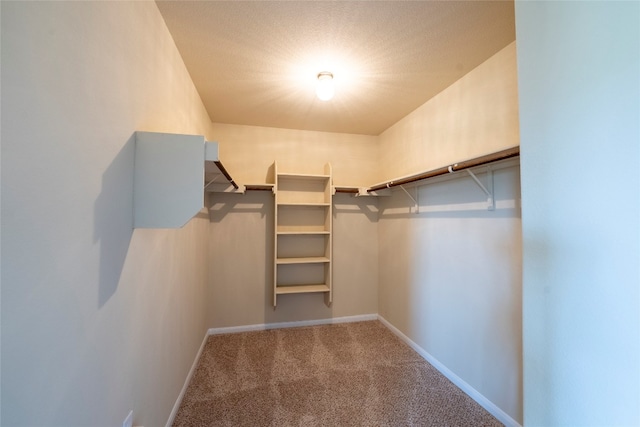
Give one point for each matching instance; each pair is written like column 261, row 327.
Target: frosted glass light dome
column 324, row 89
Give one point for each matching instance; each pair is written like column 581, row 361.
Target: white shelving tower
column 303, row 234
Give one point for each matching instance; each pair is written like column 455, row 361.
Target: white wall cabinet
column 303, row 227
column 169, row 178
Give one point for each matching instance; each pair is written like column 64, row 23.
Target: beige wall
column 450, row 276
column 450, row 279
column 241, row 252
column 248, row 152
column 476, row 115
column 97, row 319
column 241, row 263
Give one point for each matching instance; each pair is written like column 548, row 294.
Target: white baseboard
column 502, row 416
column 176, row 406
column 265, row 326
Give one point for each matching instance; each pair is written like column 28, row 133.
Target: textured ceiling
column 256, row 63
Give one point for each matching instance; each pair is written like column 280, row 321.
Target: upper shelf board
column 297, row 176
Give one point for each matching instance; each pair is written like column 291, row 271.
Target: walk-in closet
column 319, row 213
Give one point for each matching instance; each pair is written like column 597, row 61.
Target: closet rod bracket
column 491, row 205
column 416, row 205
column 214, row 179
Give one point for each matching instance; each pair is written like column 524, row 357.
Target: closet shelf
column 302, row 289
column 302, row 209
column 301, row 230
column 303, row 260
column 302, row 233
column 305, row 205
column 478, row 161
column 298, row 176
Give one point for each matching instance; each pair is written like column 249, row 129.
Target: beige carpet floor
column 350, row 374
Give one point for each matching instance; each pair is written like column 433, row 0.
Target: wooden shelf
column 302, row 233
column 302, row 238
column 303, row 260
column 305, row 205
column 302, row 177
column 301, row 230
column 446, row 170
column 302, row 289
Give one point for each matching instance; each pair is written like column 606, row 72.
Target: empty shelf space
column 303, row 260
column 301, row 289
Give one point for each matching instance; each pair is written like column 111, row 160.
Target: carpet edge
column 491, row 407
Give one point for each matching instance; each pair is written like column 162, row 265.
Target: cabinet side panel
column 168, row 179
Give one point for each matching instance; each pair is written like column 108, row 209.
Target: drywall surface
column 241, row 229
column 97, row 319
column 579, row 116
column 450, row 279
column 241, row 263
column 248, row 152
column 477, row 115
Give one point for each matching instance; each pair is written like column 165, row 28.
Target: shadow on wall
column 113, row 219
column 349, row 204
column 235, row 203
column 241, row 279
column 260, row 203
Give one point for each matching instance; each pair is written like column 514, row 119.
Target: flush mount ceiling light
column 324, row 89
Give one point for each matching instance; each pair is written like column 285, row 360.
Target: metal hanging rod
column 225, row 173
column 478, row 161
column 348, row 190
column 258, row 187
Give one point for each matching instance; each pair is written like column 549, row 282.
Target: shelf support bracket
column 491, row 205
column 416, row 206
column 214, row 179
